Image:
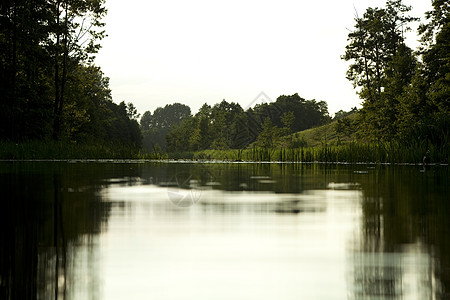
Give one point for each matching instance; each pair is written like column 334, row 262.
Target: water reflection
column 406, row 275
column 49, row 217
column 223, row 231
column 404, row 245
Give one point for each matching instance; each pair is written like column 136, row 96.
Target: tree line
column 50, row 88
column 49, row 85
column 226, row 125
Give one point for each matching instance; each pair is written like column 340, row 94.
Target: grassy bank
column 65, row 150
column 353, row 152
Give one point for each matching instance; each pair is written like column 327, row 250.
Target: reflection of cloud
column 279, row 255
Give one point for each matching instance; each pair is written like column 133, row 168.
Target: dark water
column 124, row 230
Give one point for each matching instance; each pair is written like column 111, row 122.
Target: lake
column 183, row 230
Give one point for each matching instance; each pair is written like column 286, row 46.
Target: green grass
column 321, row 144
column 66, row 150
column 352, row 152
column 323, row 135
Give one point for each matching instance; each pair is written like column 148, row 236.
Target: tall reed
column 353, row 152
column 66, row 150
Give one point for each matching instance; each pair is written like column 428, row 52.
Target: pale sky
column 197, row 51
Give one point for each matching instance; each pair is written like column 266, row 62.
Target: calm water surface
column 128, row 230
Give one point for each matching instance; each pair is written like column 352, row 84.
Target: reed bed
column 66, row 150
column 353, row 152
column 394, row 152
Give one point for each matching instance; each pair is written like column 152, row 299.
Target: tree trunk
column 56, row 115
column 377, row 65
column 12, row 131
column 366, row 65
column 60, row 82
column 64, row 66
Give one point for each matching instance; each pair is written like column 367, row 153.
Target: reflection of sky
column 236, row 245
column 153, row 249
column 297, row 232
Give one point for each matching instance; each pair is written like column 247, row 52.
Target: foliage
column 344, row 126
column 398, row 88
column 373, row 48
column 269, row 135
column 342, row 114
column 156, row 126
column 165, row 117
column 51, row 149
column 49, row 85
column 405, row 102
column 429, row 140
column 227, row 126
column 51, row 90
column 381, row 65
column 353, row 152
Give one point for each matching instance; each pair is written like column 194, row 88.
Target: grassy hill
column 342, row 141
column 327, row 134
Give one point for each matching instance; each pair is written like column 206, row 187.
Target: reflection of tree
column 287, row 178
column 47, row 211
column 376, row 275
column 404, row 213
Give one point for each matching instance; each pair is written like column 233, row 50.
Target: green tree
column 49, row 86
column 155, row 127
column 120, row 128
column 226, row 125
column 200, row 138
column 342, row 114
column 436, row 55
column 437, row 18
column 25, row 108
column 132, row 111
column 399, row 73
column 167, row 116
column 239, row 130
column 428, row 94
column 84, row 114
column 307, row 113
column 222, row 130
column 146, row 120
column 382, row 65
column 269, row 135
column 76, row 29
column 344, row 126
column 42, row 44
column 288, row 119
column 178, row 138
